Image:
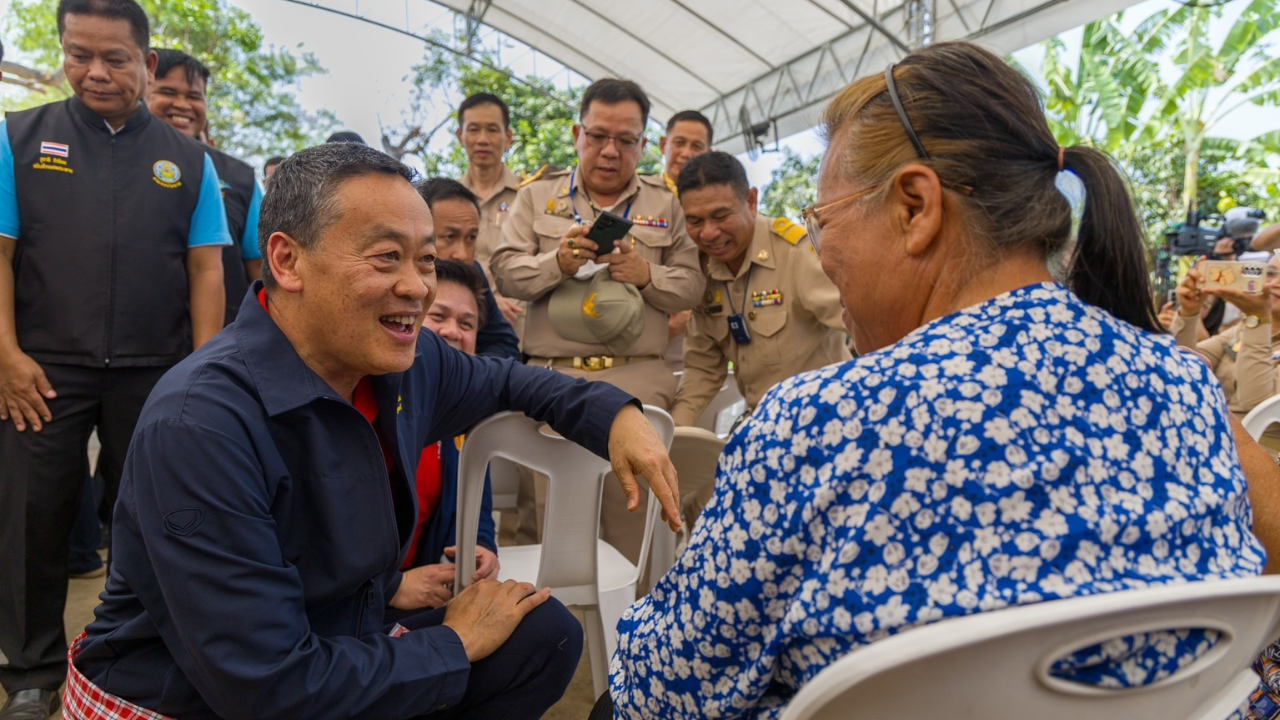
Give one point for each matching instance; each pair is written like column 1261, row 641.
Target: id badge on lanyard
column 738, row 329
column 737, row 323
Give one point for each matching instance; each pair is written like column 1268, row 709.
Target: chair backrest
column 1262, row 416
column 695, row 453
column 723, row 409
column 572, row 522
column 995, row 665
column 504, row 480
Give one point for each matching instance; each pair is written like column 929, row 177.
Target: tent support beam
column 879, row 26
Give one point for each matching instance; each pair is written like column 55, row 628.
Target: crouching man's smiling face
column 357, row 298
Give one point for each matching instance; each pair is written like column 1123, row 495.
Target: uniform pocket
column 766, row 346
column 769, row 322
column 651, row 237
column 549, row 230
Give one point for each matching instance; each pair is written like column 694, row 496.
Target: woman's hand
column 1190, row 296
column 429, row 586
column 1257, row 305
column 486, row 562
column 1166, row 315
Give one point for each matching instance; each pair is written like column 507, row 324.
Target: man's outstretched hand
column 635, row 449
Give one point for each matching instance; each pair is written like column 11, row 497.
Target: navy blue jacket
column 496, row 338
column 257, row 529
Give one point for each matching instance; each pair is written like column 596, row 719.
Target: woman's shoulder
column 1041, row 338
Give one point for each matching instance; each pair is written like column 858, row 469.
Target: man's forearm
column 207, row 293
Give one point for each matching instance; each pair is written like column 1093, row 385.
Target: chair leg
column 613, row 604
column 596, row 649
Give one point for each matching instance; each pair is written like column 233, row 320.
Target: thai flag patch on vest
column 53, row 148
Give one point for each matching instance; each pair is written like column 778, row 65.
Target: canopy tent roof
column 760, row 62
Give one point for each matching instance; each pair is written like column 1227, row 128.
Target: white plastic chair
column 695, row 453
column 581, row 569
column 504, row 481
column 723, row 409
column 1262, row 416
column 995, row 665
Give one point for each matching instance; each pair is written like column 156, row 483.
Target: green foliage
column 792, row 187
column 542, row 116
column 252, row 114
column 1160, row 130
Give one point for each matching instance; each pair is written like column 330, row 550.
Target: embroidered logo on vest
column 167, row 174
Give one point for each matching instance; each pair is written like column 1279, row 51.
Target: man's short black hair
column 695, row 116
column 713, row 168
column 437, row 189
column 485, row 98
column 612, row 91
column 273, row 160
column 302, row 201
column 460, row 273
column 170, row 59
column 346, row 136
column 127, row 10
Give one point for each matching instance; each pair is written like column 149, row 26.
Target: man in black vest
column 177, row 96
column 111, row 235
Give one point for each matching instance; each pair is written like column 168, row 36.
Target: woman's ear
column 915, row 201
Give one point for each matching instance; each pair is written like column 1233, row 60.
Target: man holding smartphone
column 545, row 249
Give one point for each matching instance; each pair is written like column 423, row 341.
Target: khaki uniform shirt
column 662, row 181
column 524, row 265
column 792, row 312
column 493, row 213
column 1243, row 359
column 675, row 346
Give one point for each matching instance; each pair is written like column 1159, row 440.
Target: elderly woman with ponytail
column 1002, row 439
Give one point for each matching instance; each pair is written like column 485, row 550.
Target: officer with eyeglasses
column 544, row 257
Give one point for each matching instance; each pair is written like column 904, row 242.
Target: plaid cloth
column 83, row 700
column 1264, row 703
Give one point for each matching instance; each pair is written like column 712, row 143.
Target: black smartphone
column 607, row 230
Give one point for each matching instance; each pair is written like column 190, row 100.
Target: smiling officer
column 177, row 96
column 544, row 254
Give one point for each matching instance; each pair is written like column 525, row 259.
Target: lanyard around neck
column 574, row 188
column 746, row 289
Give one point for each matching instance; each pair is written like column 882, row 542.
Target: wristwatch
column 1252, row 321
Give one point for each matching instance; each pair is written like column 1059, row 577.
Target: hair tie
column 1061, row 151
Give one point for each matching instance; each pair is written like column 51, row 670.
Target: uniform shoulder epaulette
column 537, row 175
column 788, row 230
column 650, row 179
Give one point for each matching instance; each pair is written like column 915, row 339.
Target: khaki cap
column 598, row 311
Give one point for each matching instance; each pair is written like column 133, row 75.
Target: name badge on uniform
column 738, row 329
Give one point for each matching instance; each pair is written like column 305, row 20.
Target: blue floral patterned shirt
column 1028, row 448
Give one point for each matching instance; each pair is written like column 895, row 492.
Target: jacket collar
column 283, row 380
column 138, row 120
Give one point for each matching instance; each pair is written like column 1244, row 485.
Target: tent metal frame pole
column 879, row 26
column 435, row 43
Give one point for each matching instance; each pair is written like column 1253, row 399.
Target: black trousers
column 41, row 482
column 524, row 677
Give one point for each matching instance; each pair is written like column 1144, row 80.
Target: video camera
column 1191, row 238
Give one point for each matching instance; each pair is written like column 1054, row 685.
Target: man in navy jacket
column 267, row 497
